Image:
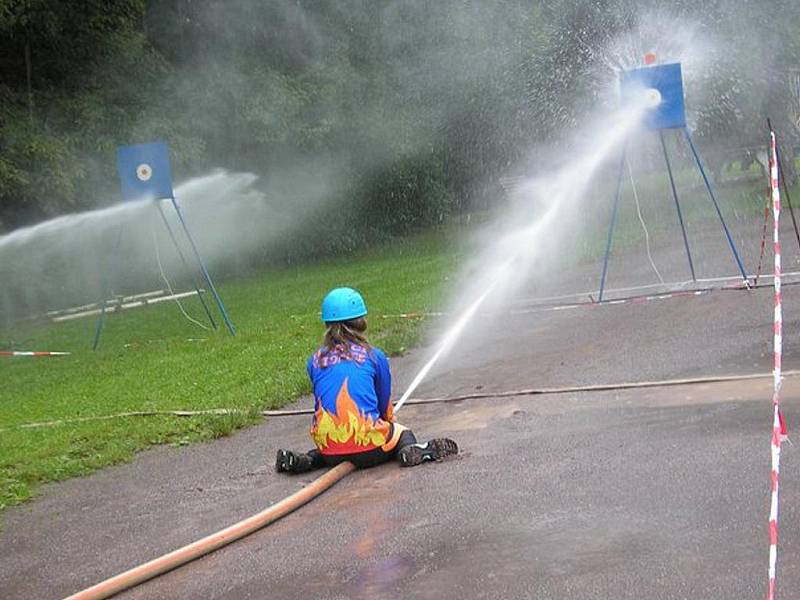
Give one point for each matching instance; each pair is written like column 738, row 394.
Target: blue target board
column 144, row 171
column 670, row 112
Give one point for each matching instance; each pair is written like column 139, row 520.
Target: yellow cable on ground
column 476, row 396
column 601, row 387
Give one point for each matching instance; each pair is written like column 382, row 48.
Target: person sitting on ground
column 353, row 418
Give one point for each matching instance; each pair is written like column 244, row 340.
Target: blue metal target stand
column 145, row 176
column 663, row 87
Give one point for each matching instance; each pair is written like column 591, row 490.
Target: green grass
column 147, row 362
column 153, row 359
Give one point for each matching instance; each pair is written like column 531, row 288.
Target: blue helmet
column 342, row 304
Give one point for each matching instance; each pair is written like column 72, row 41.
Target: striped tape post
column 778, row 426
column 12, row 353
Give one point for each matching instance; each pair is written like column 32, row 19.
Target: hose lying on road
column 208, row 544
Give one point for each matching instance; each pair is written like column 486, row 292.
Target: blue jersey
column 352, row 411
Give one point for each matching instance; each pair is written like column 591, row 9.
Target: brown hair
column 346, row 332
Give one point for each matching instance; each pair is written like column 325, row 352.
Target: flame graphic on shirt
column 347, row 431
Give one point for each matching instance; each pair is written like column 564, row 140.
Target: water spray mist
column 509, row 261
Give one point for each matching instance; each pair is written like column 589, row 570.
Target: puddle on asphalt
column 380, row 579
column 476, row 416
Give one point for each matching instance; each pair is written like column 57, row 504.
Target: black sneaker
column 285, row 460
column 416, row 454
column 293, row 462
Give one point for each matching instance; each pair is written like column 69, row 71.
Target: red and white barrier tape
column 557, row 307
column 763, row 236
column 778, row 425
column 12, row 353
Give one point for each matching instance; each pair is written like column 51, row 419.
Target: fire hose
column 181, row 556
column 210, row 543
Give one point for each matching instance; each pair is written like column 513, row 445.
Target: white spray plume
column 79, row 258
column 511, row 260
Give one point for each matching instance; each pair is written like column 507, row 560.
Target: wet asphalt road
column 658, row 493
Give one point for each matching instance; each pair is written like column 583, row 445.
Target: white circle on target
column 652, row 97
column 144, row 172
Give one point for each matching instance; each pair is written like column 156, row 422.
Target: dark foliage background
column 416, row 107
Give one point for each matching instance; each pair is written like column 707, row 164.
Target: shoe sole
column 283, row 461
column 437, row 449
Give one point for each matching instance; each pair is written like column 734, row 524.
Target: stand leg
column 786, row 192
column 98, row 324
column 101, row 318
column 677, row 204
column 767, row 207
column 716, row 206
column 185, row 264
column 203, row 269
column 612, row 226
